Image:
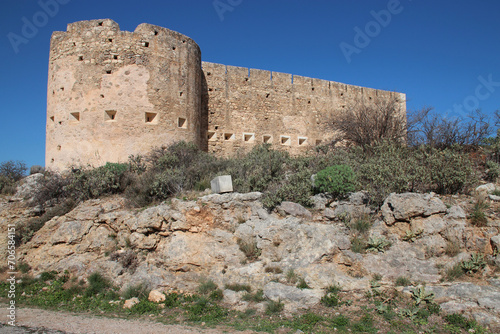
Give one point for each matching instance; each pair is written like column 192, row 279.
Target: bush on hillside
column 11, row 172
column 337, row 180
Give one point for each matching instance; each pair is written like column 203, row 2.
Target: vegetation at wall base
column 374, row 314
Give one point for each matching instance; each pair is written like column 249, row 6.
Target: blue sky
column 444, row 54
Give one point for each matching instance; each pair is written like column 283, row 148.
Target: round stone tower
column 114, row 93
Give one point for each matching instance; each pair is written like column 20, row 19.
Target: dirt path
column 43, row 321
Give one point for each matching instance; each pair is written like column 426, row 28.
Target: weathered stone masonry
column 114, row 93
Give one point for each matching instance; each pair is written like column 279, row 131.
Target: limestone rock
column 28, row 186
column 485, row 189
column 403, row 207
column 351, row 210
column 291, row 295
column 293, row 209
column 319, row 201
column 156, row 296
column 329, row 213
column 495, row 242
column 359, row 198
column 70, row 232
column 494, row 198
column 129, row 303
column 456, row 212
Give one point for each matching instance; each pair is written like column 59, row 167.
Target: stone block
column 222, row 184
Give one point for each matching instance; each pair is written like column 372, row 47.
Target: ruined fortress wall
column 113, row 93
column 248, row 107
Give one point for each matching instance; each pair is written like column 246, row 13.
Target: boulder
column 494, row 198
column 293, row 209
column 156, row 296
column 129, row 303
column 403, row 207
column 292, row 296
column 28, row 186
column 455, row 212
column 319, row 201
column 485, row 189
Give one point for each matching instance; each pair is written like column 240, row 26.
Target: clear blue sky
column 440, row 53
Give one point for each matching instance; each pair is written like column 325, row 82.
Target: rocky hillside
column 231, row 239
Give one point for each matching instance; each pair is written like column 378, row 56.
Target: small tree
column 13, row 170
column 370, row 123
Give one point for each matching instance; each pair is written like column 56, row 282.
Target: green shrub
column 331, row 297
column 291, row 276
column 97, row 283
column 377, row 244
column 145, row 307
column 86, row 183
column 419, row 295
column 302, row 284
column 452, row 248
column 207, row 287
column 403, row 281
column 389, row 167
column 205, row 310
column 48, row 275
column 257, row 297
column 273, row 269
column 364, row 325
column 140, row 291
column 493, row 170
column 474, row 264
column 249, row 248
column 258, row 169
column 274, row 306
column 23, row 267
column 11, row 172
column 478, row 216
column 340, row 321
column 296, row 188
column 361, row 225
column 336, row 180
column 450, row 170
column 454, row 272
column 358, row 245
column 460, row 321
column 238, row 287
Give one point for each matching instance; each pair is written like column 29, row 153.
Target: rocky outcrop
column 230, row 238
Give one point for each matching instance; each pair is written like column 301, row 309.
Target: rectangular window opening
column 80, row 58
column 228, row 136
column 267, row 139
column 145, row 44
column 249, row 137
column 110, row 40
column 285, row 140
column 182, row 123
column 75, row 116
column 110, row 115
column 302, row 141
column 108, row 71
column 211, row 135
column 115, row 57
column 150, row 117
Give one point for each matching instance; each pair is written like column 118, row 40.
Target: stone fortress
column 114, row 93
